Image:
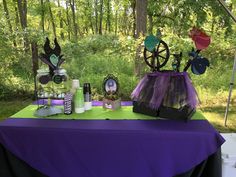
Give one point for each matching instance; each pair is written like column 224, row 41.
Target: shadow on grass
column 215, row 115
column 219, row 109
column 9, row 108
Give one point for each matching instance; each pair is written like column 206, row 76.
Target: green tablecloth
column 96, row 113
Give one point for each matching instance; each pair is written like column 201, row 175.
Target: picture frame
column 110, row 85
column 111, row 98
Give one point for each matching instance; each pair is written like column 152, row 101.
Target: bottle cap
column 87, row 88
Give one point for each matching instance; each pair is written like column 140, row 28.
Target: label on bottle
column 87, row 97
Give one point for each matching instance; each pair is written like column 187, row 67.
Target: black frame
column 105, row 81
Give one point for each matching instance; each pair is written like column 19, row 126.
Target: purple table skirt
column 100, row 148
column 94, row 103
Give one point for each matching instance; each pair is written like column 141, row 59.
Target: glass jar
column 42, row 79
column 60, row 80
column 43, row 76
column 52, row 85
column 60, row 75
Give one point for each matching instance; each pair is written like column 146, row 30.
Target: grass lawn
column 214, row 114
column 8, row 108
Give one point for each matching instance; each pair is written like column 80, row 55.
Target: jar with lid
column 60, row 78
column 43, row 76
column 52, row 85
column 60, row 75
column 42, row 79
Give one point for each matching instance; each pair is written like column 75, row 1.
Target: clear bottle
column 79, row 101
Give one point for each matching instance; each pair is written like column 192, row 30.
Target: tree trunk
column 134, row 16
column 90, row 17
column 17, row 20
column 75, row 25
column 22, row 7
column 150, row 27
column 116, row 22
column 8, row 20
column 68, row 20
column 141, row 27
column 141, row 17
column 61, row 20
column 213, row 24
column 125, row 25
column 101, row 16
column 42, row 15
column 108, row 23
column 35, row 65
column 96, row 15
column 52, row 19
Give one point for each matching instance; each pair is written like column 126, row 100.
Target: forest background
column 99, row 37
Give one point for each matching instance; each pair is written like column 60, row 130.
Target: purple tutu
column 170, row 89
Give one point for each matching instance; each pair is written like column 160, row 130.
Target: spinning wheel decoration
column 177, row 61
column 156, row 52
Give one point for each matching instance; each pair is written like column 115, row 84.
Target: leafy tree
column 100, row 32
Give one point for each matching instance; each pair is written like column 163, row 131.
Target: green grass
column 214, row 114
column 9, row 108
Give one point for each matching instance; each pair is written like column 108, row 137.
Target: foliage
column 93, row 56
column 15, row 71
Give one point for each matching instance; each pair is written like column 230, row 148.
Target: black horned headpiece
column 52, row 57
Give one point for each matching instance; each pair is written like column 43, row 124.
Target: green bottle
column 79, row 100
